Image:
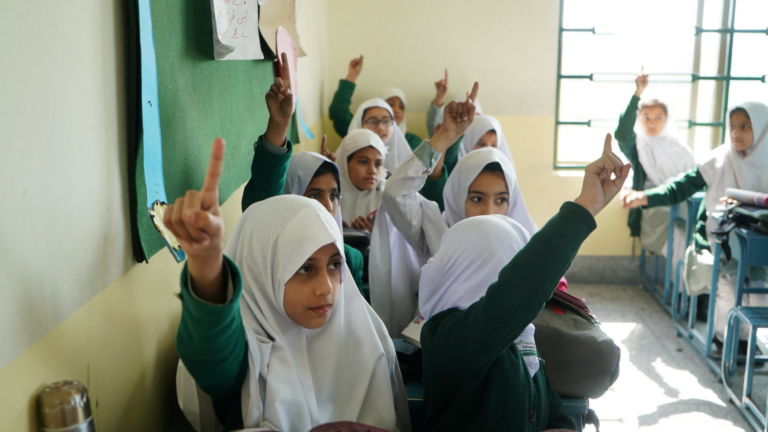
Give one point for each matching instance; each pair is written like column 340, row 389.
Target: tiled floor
column 663, row 384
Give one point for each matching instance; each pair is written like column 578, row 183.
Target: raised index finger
column 607, row 147
column 446, row 77
column 473, row 95
column 215, row 166
column 286, row 71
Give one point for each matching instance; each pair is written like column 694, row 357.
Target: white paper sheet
column 236, row 30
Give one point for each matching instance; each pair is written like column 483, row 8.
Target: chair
column 681, row 301
column 750, row 249
column 414, row 391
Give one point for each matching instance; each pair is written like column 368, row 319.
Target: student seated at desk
column 275, row 172
column 374, row 114
column 647, row 136
column 741, row 164
column 480, row 293
column 273, row 328
column 485, row 131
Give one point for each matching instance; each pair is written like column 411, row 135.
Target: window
column 702, row 57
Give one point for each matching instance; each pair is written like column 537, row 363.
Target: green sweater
column 625, row 135
column 678, row 191
column 211, row 343
column 474, row 376
column 268, row 171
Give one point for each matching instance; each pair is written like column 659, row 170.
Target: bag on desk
column 580, row 359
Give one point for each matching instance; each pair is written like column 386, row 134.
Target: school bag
column 580, row 359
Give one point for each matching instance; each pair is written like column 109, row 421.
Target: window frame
column 723, row 78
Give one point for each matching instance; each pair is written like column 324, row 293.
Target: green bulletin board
column 200, row 99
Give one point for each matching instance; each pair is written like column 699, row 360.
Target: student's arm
column 268, row 171
column 407, row 209
column 666, row 195
column 435, row 110
column 433, row 188
column 625, row 132
column 272, row 151
column 342, row 99
column 472, row 339
column 211, row 338
column 413, row 140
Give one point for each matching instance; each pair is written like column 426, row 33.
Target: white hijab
column 663, row 156
column 457, row 187
column 471, row 255
column 301, row 170
column 299, row 378
column 394, row 264
column 392, row 92
column 479, row 127
column 726, row 167
column 356, row 202
column 397, row 146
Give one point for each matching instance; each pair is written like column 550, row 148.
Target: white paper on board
column 236, row 30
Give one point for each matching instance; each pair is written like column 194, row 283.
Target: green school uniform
column 474, row 376
column 625, row 135
column 268, row 171
column 678, row 191
column 211, row 343
column 413, row 140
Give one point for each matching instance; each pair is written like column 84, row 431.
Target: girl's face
column 742, row 135
column 398, row 108
column 365, row 168
column 324, row 189
column 312, row 291
column 653, row 119
column 487, row 140
column 488, row 195
column 378, row 120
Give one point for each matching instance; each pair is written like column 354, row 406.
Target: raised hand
column 457, row 117
column 195, row 220
column 324, row 150
column 641, row 82
column 355, row 67
column 441, row 88
column 281, row 105
column 603, row 179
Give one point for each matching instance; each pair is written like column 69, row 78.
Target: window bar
column 595, row 77
column 559, row 74
column 696, row 31
column 729, row 61
column 597, row 122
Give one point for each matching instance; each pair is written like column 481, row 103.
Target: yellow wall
column 75, row 305
column 510, row 47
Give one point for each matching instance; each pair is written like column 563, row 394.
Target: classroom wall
column 510, row 47
column 75, row 305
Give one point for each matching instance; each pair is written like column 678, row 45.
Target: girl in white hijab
column 479, row 295
column 360, row 158
column 740, row 164
column 396, row 100
column 303, row 348
column 485, row 131
column 376, row 115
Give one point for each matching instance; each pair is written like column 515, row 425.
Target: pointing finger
column 607, row 146
column 215, row 167
column 286, row 71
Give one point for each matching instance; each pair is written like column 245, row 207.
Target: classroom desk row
column 749, row 249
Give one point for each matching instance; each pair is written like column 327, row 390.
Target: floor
column 663, row 385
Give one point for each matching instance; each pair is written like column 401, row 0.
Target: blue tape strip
column 150, row 121
column 304, row 127
column 150, row 112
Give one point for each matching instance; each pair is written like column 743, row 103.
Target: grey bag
column 580, row 359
